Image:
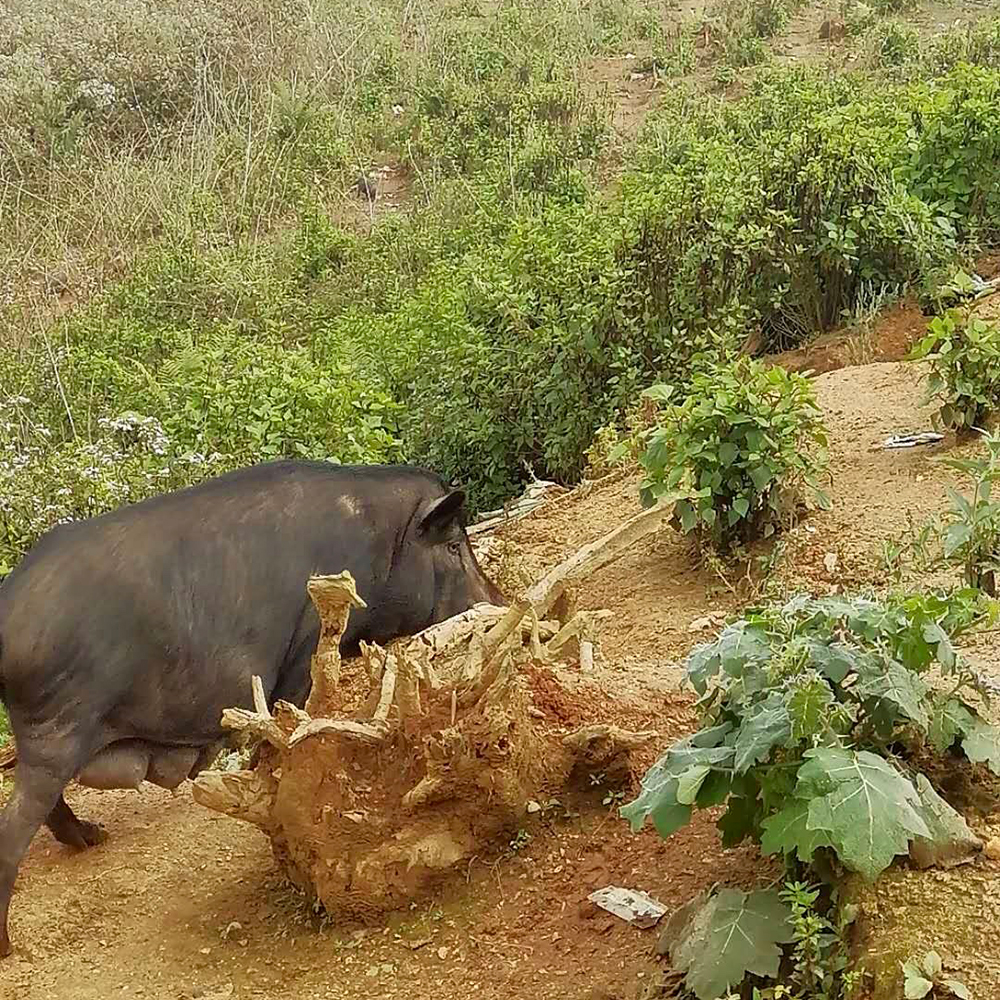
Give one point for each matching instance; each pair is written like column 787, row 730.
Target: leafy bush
column 883, row 7
column 957, row 145
column 772, row 211
column 891, row 43
column 963, row 353
column 746, row 439
column 807, row 710
column 971, row 530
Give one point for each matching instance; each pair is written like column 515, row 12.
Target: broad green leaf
column 932, row 964
column 958, row 988
column 936, row 636
column 760, row 476
column 739, row 647
column 951, row 841
column 949, row 718
column 658, row 798
column 982, row 745
column 742, row 646
column 869, row 810
column 915, row 986
column 898, row 686
column 659, row 393
column 690, row 782
column 808, row 703
column 955, row 536
column 659, row 804
column 714, row 790
column 764, row 727
column 833, row 660
column 728, row 936
column 787, row 831
column 702, row 665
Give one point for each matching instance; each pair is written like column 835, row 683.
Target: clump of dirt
column 908, row 913
column 889, row 339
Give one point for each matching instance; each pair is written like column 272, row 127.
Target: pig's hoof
column 80, row 834
column 91, row 834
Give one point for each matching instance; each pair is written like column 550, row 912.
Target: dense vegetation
column 186, row 289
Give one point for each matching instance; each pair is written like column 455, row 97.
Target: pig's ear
column 439, row 517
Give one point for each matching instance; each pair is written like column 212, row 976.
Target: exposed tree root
column 410, row 758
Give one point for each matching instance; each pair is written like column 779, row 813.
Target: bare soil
column 183, row 903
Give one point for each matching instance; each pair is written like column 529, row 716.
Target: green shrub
column 955, row 148
column 963, row 353
column 816, row 719
column 884, row 7
column 977, row 43
column 891, row 43
column 776, row 209
column 970, row 532
column 745, row 440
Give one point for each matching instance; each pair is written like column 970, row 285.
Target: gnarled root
column 410, row 758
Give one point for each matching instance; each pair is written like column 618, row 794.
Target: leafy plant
column 806, row 709
column 926, row 977
column 963, row 353
column 891, row 43
column 971, row 529
column 746, row 439
column 718, row 939
column 820, row 956
column 721, row 938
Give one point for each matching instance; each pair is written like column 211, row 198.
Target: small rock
column 992, row 849
column 634, row 906
column 231, row 929
column 587, row 910
column 533, row 806
column 205, row 951
column 830, row 562
column 442, row 953
column 414, row 945
column 220, row 994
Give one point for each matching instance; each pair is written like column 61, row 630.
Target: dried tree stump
column 411, row 759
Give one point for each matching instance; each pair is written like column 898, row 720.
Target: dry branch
column 333, row 596
column 259, row 722
column 365, row 732
column 598, row 554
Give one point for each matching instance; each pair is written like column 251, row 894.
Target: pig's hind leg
column 69, row 829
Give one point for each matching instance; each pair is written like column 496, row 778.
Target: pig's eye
column 455, row 548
